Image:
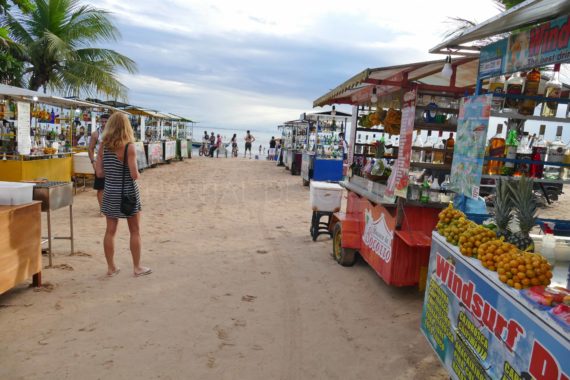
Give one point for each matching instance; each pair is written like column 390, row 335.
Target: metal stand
column 49, row 237
column 318, row 227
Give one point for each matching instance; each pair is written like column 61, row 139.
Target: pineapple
column 524, row 204
column 503, row 209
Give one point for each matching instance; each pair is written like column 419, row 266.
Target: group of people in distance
column 212, row 144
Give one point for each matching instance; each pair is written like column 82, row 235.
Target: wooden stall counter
column 20, row 245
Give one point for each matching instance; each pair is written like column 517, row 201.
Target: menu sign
column 398, row 181
column 543, row 44
column 469, row 150
column 480, row 329
column 24, row 123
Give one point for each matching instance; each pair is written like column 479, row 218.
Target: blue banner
column 481, row 329
column 541, row 45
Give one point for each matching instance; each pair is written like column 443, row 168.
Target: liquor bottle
column 445, row 196
column 496, row 150
column 511, row 146
column 553, row 89
column 439, row 156
column 556, row 152
column 424, row 195
column 428, row 156
column 514, row 87
column 417, row 155
column 449, row 145
column 497, row 87
column 527, row 106
column 539, row 150
column 434, row 189
column 524, row 152
column 566, row 170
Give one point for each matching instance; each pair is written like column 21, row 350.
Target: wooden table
column 20, row 245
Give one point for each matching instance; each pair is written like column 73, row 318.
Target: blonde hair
column 118, row 132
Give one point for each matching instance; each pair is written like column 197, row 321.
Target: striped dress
column 111, row 205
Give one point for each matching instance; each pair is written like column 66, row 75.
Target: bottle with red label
column 539, row 149
column 514, row 87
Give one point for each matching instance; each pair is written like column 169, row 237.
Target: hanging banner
column 23, row 128
column 469, row 149
column 398, row 181
column 543, row 44
column 143, row 128
column 482, row 329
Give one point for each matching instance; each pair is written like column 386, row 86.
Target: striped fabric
column 111, row 205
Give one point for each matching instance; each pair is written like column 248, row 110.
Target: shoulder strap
column 125, row 165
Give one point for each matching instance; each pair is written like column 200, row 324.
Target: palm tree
column 57, row 38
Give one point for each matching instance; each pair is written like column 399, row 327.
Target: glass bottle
column 449, row 145
column 497, row 86
column 556, row 153
column 553, row 89
column 539, row 150
column 566, row 170
column 439, row 156
column 514, row 87
column 496, row 150
column 417, row 154
column 424, row 195
column 434, row 191
column 527, row 106
column 511, row 146
column 444, row 195
column 524, row 152
column 428, row 155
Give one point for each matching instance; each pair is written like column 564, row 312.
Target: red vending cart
column 386, row 220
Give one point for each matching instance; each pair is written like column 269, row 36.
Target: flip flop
column 116, row 272
column 144, row 272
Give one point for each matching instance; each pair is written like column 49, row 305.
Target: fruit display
column 473, row 238
column 452, row 223
column 524, row 205
column 516, row 268
column 393, row 121
column 50, row 151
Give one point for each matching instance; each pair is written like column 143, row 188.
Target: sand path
column 239, row 291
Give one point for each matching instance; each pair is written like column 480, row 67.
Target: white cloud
column 223, row 82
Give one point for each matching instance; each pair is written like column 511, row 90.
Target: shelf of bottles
column 54, row 131
column 325, row 144
column 517, row 153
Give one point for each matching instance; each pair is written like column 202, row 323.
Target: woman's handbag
column 128, row 201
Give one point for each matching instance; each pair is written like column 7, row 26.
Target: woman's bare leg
column 109, row 244
column 134, row 229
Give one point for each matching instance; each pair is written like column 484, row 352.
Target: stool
column 318, row 227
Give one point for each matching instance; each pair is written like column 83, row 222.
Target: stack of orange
column 473, row 238
column 515, row 268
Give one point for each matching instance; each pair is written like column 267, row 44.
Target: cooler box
column 16, row 193
column 325, row 196
column 82, row 164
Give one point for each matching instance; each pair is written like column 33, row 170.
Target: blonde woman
column 118, row 149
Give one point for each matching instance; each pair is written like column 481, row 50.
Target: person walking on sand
column 218, row 145
column 272, row 145
column 117, row 163
column 94, row 145
column 249, row 139
column 234, row 145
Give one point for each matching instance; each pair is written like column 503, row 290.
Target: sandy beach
column 239, row 291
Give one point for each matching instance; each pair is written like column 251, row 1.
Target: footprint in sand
column 46, row 287
column 262, row 251
column 221, row 333
column 211, row 361
column 248, row 298
column 60, row 266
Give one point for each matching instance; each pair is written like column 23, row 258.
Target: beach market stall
column 323, row 157
column 389, row 213
column 294, row 137
column 495, row 309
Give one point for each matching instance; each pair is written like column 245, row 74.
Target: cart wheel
column 305, row 182
column 344, row 256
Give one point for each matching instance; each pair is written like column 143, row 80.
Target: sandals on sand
column 144, row 272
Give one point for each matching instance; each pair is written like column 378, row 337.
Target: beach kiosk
column 482, row 320
column 323, row 159
column 294, row 134
column 388, row 218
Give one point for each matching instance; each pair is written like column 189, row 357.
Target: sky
column 255, row 64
